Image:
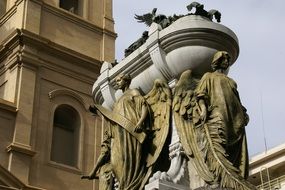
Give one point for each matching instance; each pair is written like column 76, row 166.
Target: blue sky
column 259, row 69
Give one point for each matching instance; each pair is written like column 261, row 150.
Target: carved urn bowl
column 188, row 43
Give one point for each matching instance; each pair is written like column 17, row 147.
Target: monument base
column 164, row 185
column 209, row 188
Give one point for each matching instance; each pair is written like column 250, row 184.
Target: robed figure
column 210, row 121
column 136, row 131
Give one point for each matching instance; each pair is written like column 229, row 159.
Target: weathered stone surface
column 164, row 185
column 209, row 188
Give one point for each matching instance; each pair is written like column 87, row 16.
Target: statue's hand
column 138, row 128
column 85, row 177
column 90, row 177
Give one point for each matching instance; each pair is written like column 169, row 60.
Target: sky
column 259, row 69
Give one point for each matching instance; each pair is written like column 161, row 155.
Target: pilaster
column 32, row 16
column 20, row 150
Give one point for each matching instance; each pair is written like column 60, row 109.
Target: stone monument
column 176, row 96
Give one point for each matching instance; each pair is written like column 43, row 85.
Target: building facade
column 267, row 169
column 50, row 55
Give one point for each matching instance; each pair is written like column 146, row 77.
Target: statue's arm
column 139, row 125
column 144, row 111
column 203, row 109
column 103, row 159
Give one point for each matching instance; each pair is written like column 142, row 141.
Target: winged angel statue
column 210, row 122
column 136, row 131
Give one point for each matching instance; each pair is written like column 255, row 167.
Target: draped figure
column 136, row 131
column 210, row 121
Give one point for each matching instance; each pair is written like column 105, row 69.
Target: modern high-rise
column 51, row 52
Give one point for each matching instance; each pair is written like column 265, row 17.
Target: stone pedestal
column 209, row 188
column 164, row 185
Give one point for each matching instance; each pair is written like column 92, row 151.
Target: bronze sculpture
column 164, row 21
column 202, row 12
column 124, row 149
column 128, row 155
column 210, row 121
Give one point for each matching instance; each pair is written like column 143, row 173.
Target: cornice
column 56, row 49
column 8, row 106
column 10, row 43
column 265, row 157
column 20, row 148
column 24, row 39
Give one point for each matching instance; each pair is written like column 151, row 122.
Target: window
column 69, row 5
column 3, row 7
column 65, row 136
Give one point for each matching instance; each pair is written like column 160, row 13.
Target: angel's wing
column 193, row 4
column 183, row 104
column 182, row 107
column 183, row 94
column 146, row 18
column 159, row 100
column 215, row 13
column 203, row 144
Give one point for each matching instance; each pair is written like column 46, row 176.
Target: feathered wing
column 218, row 163
column 215, row 13
column 180, row 105
column 183, row 104
column 203, row 144
column 159, row 100
column 193, row 4
column 146, row 18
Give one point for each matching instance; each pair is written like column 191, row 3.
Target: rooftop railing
column 273, row 184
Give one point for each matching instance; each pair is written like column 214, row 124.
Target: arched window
column 65, row 136
column 70, row 5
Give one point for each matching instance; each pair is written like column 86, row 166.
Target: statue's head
column 123, row 80
column 221, row 60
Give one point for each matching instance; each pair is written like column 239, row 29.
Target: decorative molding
column 158, row 58
column 20, row 148
column 12, row 48
column 10, row 182
column 9, row 106
column 188, row 43
column 9, row 14
column 66, row 92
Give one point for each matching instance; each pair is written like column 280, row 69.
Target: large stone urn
column 188, row 43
